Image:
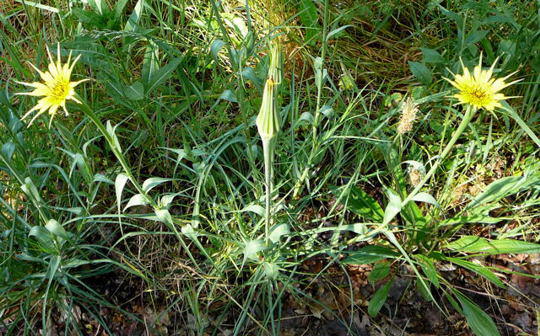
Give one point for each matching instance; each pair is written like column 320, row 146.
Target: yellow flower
column 55, row 89
column 478, row 89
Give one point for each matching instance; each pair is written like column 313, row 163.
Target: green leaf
column 153, row 182
column 479, row 322
column 474, row 244
column 505, row 187
column 215, row 47
column 421, row 72
column 393, row 207
column 379, row 272
column 378, row 299
column 369, row 254
column 8, row 149
column 137, row 199
column 135, row 17
column 478, row 269
column 425, row 198
column 429, row 269
column 119, row 184
column 164, row 216
column 44, row 238
column 135, row 91
column 150, row 63
column 475, row 36
column 163, row 74
column 336, row 31
column 364, row 205
column 56, row 229
column 431, row 56
column 251, row 249
column 521, row 123
column 278, row 232
column 29, row 188
column 310, row 19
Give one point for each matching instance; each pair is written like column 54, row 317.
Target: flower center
column 59, row 91
column 479, row 94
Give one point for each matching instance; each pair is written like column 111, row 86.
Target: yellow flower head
column 478, row 89
column 55, row 89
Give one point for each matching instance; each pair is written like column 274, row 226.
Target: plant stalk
column 268, row 153
column 469, row 113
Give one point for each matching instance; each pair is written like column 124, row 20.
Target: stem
column 469, row 113
column 267, row 149
column 117, row 152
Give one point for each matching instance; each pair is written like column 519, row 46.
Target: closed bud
column 268, row 123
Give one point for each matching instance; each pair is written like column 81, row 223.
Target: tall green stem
column 268, row 152
column 113, row 144
column 469, row 113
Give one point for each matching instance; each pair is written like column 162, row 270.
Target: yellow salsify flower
column 478, row 89
column 55, row 89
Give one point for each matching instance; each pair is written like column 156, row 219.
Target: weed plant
column 163, row 181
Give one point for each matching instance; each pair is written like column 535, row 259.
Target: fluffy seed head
column 408, row 116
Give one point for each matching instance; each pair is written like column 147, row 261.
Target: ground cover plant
column 276, row 167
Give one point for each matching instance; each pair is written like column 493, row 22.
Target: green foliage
column 158, row 177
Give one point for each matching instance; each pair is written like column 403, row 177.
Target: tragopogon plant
column 268, row 125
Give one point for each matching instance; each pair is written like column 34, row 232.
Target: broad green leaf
column 8, row 149
column 310, row 18
column 369, row 254
column 164, row 216
column 504, row 187
column 429, row 269
column 119, row 184
column 255, row 208
column 137, row 199
column 364, row 205
column 163, row 74
column 150, row 63
column 425, row 198
column 422, row 290
column 215, row 47
column 479, row 322
column 421, row 72
column 475, row 36
column 153, row 182
column 44, row 238
column 278, row 231
column 135, row 17
column 56, row 229
column 474, row 244
column 135, row 91
column 479, row 269
column 393, row 207
column 378, row 299
column 229, row 96
column 119, row 8
column 379, row 272
column 431, row 56
column 30, row 190
column 252, row 248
